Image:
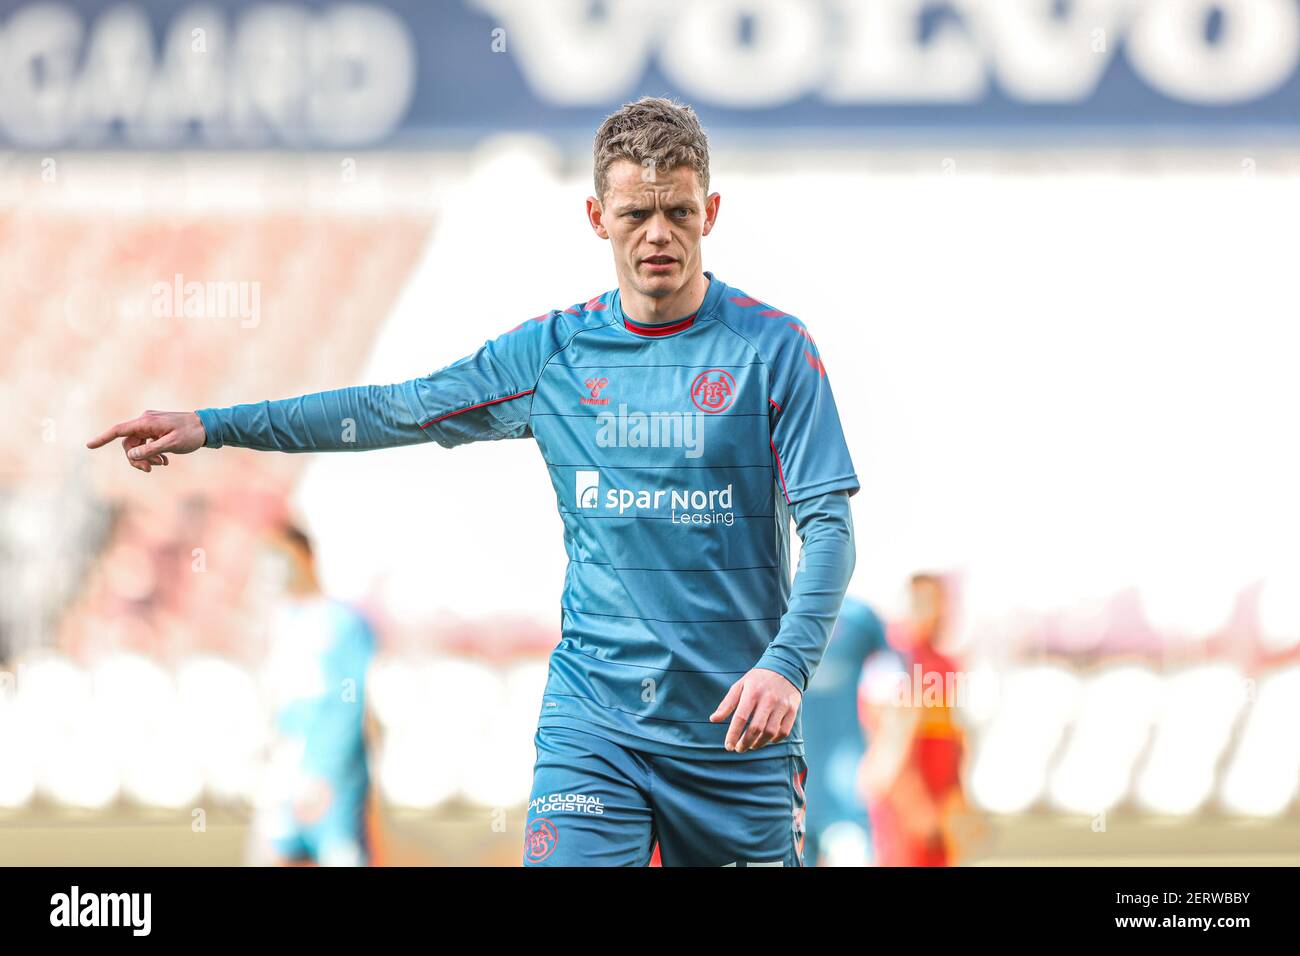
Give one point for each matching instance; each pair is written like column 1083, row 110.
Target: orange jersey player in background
column 911, row 775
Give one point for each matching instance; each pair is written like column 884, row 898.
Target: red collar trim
column 641, row 329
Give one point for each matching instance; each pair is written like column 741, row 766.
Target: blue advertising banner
column 314, row 74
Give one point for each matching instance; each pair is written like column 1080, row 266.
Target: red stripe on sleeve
column 469, row 408
column 780, row 471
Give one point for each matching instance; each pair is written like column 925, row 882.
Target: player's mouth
column 658, row 263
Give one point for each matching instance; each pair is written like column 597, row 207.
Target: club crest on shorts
column 713, row 391
column 540, row 837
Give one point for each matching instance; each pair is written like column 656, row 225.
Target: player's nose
column 657, row 231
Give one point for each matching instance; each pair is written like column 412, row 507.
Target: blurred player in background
column 312, row 807
column 839, row 829
column 911, row 775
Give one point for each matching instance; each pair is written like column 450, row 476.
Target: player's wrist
column 791, row 674
column 207, row 428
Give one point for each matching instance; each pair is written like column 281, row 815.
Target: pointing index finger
column 120, row 430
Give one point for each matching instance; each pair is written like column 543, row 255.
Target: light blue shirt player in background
column 839, row 829
column 684, row 424
column 311, row 806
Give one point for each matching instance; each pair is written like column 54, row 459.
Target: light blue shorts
column 597, row 803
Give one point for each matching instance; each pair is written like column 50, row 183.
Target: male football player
column 683, row 423
column 911, row 775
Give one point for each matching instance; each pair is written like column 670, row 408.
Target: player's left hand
column 764, row 699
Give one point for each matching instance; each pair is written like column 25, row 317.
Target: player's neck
column 652, row 310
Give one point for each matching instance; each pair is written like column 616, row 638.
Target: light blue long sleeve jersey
column 678, row 454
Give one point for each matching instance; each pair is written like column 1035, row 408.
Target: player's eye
column 681, row 212
column 636, row 214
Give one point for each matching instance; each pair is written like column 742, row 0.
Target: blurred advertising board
column 247, row 74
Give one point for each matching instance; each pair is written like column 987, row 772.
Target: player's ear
column 596, row 216
column 711, row 204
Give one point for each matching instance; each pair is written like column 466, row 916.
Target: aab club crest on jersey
column 540, row 838
column 713, row 391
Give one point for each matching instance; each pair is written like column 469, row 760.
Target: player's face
column 281, row 569
column 272, row 574
column 927, row 611
column 655, row 220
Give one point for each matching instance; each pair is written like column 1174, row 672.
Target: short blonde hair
column 653, row 131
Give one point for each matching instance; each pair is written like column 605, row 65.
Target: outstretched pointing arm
column 360, row 418
column 482, row 397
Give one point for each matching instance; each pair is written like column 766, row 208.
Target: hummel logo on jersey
column 588, row 489
column 594, row 385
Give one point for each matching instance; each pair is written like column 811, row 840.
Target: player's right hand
column 148, row 440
